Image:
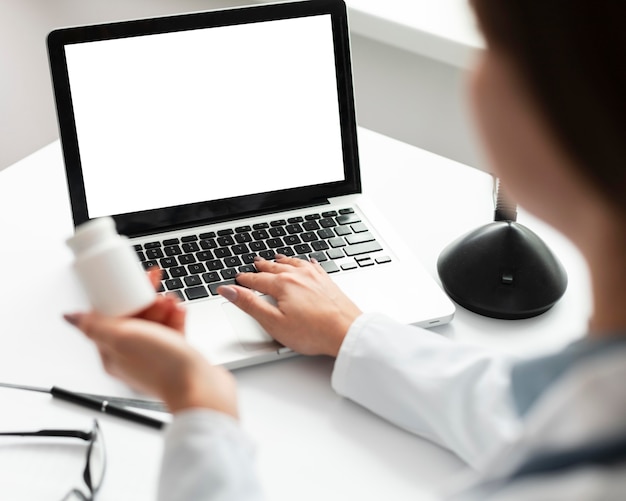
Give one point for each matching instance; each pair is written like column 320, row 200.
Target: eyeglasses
column 95, row 464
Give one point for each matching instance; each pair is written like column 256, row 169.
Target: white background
column 206, row 114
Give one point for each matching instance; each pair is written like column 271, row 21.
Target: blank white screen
column 176, row 118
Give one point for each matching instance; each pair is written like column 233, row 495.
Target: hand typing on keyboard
column 312, row 315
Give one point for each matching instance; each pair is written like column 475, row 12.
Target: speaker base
column 502, row 270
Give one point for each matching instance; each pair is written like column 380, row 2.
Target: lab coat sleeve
column 207, row 457
column 453, row 394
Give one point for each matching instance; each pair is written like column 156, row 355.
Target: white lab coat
column 456, row 395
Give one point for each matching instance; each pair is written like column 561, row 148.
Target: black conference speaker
column 503, row 269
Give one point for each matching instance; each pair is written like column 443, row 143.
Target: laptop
column 217, row 136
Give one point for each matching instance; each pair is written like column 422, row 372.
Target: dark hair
column 571, row 55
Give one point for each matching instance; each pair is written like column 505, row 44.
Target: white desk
column 311, row 444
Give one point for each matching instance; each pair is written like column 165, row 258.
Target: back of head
column 571, row 54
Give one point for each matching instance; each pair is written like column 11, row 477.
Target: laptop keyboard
column 195, row 265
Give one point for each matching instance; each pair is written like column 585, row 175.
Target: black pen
column 96, row 403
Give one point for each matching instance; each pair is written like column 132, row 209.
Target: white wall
column 27, row 114
column 413, row 98
column 401, row 94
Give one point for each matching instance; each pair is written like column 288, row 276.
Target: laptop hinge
column 317, row 202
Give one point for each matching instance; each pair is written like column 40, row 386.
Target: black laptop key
column 171, row 241
column 348, row 219
column 248, row 258
column 308, row 237
column 293, row 228
column 208, row 244
column 176, row 293
column 243, row 238
column 342, row 231
column 337, row 242
column 205, row 255
column 190, row 247
column 302, row 249
column 278, row 231
column 260, row 226
column 359, row 238
column 231, row 262
column 257, row 246
column 152, row 245
column 189, row 238
column 278, row 222
column 224, row 232
column 168, row 262
column 196, row 292
column 292, row 240
column 320, row 257
column 247, row 268
column 260, row 235
column 335, row 253
column 329, row 267
column 327, row 222
column 228, row 273
column 240, row 249
column 310, row 225
column 173, row 250
column 178, row 271
column 364, row 248
column 274, row 242
column 320, row 245
column 312, row 217
column 267, row 254
column 325, row 233
column 243, row 229
column 285, row 251
column 149, row 264
column 222, row 252
column 211, row 277
column 174, row 283
column 196, row 269
column 154, row 253
column 358, row 227
column 141, row 256
column 213, row 287
column 225, row 241
column 347, row 210
column 293, row 220
column 214, row 265
column 192, row 280
column 208, row 234
column 330, row 213
column 187, row 259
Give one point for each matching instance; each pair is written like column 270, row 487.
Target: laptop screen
column 191, row 115
column 206, row 114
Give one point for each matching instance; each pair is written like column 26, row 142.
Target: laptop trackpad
column 249, row 332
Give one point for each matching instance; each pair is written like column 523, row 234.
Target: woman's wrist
column 205, row 387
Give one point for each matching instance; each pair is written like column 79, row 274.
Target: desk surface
column 303, row 430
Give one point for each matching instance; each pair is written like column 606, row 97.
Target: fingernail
column 280, row 256
column 73, row 318
column 228, row 292
column 313, row 260
column 258, row 258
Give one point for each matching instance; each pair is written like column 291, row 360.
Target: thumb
column 251, row 303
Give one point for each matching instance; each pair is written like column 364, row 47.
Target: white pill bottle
column 109, row 270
